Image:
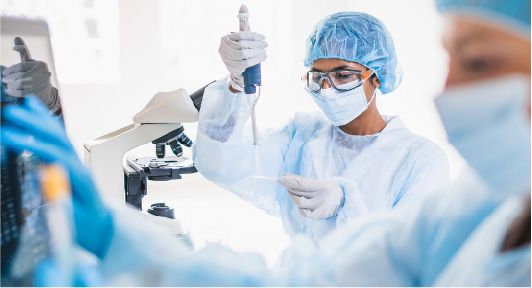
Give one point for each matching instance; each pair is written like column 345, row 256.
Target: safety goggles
column 341, row 79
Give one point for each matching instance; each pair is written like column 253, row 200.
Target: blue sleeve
column 374, row 251
column 144, row 254
column 430, row 173
column 224, row 152
column 398, row 248
column 394, row 249
column 353, row 205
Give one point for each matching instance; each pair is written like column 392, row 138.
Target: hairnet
column 513, row 13
column 356, row 37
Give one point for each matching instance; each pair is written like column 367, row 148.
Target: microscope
column 159, row 122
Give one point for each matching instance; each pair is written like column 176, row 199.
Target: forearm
column 370, row 251
column 224, row 152
column 141, row 254
column 197, row 96
column 430, row 175
column 221, row 137
column 223, row 113
column 353, row 205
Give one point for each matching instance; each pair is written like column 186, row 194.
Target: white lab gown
column 377, row 172
column 448, row 239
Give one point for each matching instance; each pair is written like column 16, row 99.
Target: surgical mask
column 486, row 122
column 341, row 107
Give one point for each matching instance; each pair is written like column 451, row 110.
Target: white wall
column 166, row 44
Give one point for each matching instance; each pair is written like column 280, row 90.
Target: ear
column 376, row 82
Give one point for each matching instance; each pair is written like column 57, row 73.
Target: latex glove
column 240, row 51
column 31, row 77
column 315, row 198
column 31, row 127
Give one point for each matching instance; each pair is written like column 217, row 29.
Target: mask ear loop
column 372, row 97
column 371, row 72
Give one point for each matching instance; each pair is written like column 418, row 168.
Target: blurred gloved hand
column 49, row 273
column 240, row 51
column 316, row 198
column 31, row 127
column 31, row 77
column 3, row 87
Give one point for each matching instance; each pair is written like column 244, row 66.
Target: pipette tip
column 243, row 9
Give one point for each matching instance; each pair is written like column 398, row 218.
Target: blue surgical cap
column 356, row 37
column 512, row 13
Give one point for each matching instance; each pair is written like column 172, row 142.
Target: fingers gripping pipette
column 252, row 78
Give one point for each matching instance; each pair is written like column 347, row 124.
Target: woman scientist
column 351, row 162
column 476, row 235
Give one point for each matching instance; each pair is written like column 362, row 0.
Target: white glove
column 31, row 77
column 316, row 198
column 240, row 51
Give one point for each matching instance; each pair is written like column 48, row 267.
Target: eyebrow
column 342, row 67
column 470, row 38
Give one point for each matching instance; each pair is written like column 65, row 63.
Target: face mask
column 341, row 107
column 486, row 122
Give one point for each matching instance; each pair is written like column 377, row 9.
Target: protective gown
column 377, row 172
column 451, row 238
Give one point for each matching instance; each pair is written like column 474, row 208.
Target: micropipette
column 252, row 76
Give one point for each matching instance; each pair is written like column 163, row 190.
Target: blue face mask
column 341, row 107
column 486, row 122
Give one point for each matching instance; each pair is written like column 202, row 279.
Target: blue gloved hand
column 3, row 87
column 49, row 273
column 30, row 127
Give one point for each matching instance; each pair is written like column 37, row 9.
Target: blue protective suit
column 377, row 172
column 448, row 239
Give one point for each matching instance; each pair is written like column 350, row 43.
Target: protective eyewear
column 341, row 79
